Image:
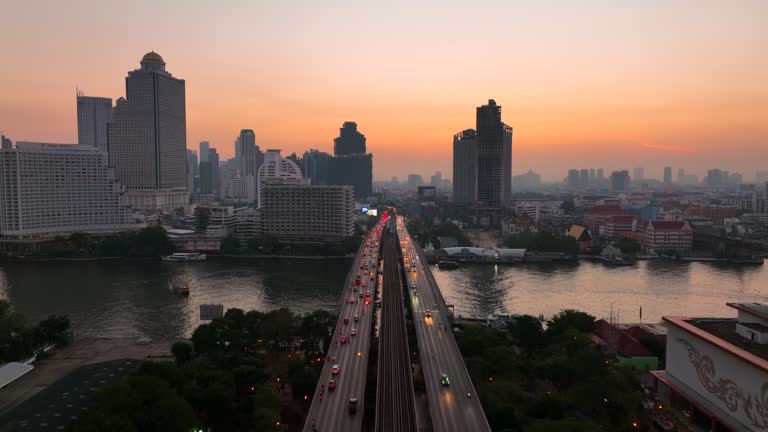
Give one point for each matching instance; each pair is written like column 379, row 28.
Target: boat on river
column 185, row 257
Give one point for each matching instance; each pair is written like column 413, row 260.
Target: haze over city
column 584, row 84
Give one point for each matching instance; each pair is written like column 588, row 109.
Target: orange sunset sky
column 612, row 84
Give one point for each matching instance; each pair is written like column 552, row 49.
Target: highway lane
column 330, row 408
column 450, row 407
column 395, row 408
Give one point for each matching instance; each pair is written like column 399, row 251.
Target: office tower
column 494, row 140
column 600, row 174
column 592, row 175
column 93, row 114
column 584, row 177
column 206, row 178
column 464, row 167
column 351, row 165
column 58, row 189
column 681, row 175
column 716, row 177
column 147, row 137
column 437, row 177
column 304, row 212
column 574, row 179
column 278, row 167
column 193, row 170
column 620, row 181
column 5, row 143
column 315, row 166
column 205, row 146
column 247, row 145
column 213, row 158
column 414, row 181
column 349, row 141
column 667, row 175
column 638, row 174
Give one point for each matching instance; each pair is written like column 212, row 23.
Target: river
column 133, row 299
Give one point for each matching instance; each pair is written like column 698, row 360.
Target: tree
column 629, row 246
column 570, row 318
column 528, row 332
column 152, row 241
column 182, row 352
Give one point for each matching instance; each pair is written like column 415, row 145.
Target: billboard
column 372, row 212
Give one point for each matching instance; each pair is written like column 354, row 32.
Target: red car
column 361, row 295
column 368, row 301
column 331, row 385
column 335, row 369
column 351, row 299
column 343, row 339
column 357, row 282
column 367, row 293
column 346, row 320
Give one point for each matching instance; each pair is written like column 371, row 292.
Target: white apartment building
column 47, row 190
column 303, row 212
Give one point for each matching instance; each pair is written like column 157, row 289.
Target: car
column 343, row 339
column 367, row 301
column 352, row 405
column 352, row 300
column 361, row 295
column 428, row 313
column 357, row 281
column 346, row 320
column 353, row 332
column 335, row 369
column 413, row 285
column 331, row 385
column 367, row 293
column 444, row 380
column 415, row 293
column 357, row 317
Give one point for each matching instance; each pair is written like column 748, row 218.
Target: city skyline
column 591, row 91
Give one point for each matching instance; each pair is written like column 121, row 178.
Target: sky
column 589, row 83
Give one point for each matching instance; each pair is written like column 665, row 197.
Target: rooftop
column 758, row 309
column 725, row 329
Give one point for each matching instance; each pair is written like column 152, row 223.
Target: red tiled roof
column 621, row 219
column 668, row 225
column 605, row 209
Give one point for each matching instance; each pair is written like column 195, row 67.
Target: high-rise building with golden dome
column 148, row 137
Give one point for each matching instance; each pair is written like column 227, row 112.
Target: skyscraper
column 206, row 177
column 349, row 141
column 494, row 142
column 584, row 177
column 638, row 174
column 276, row 167
column 667, row 175
column 681, row 175
column 465, row 167
column 193, row 170
column 351, row 165
column 436, row 179
column 574, row 179
column 315, row 166
column 93, row 114
column 5, row 143
column 620, row 181
column 205, row 146
column 213, row 158
column 600, row 174
column 148, row 137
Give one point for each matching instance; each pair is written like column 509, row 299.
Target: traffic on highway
column 338, row 402
column 453, row 403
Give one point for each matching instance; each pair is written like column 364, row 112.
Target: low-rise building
column 716, row 213
column 716, row 372
column 661, row 236
column 596, row 217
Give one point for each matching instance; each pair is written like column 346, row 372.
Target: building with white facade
column 716, row 376
column 49, row 190
column 667, row 235
column 93, row 114
column 277, row 167
column 295, row 211
column 148, row 137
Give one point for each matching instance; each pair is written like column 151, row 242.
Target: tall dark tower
column 350, row 164
column 494, row 157
column 350, row 141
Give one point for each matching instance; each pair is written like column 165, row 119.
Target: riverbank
column 37, row 259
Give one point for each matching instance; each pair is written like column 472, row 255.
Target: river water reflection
column 133, row 299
